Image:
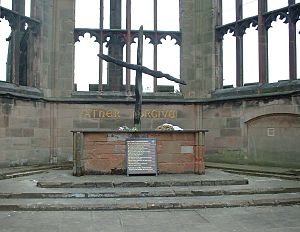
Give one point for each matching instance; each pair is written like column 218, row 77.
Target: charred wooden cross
column 140, row 69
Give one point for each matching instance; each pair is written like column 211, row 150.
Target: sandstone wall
column 259, row 131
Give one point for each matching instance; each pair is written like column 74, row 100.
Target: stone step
column 135, row 184
column 148, row 192
column 149, row 203
column 277, row 172
column 256, row 173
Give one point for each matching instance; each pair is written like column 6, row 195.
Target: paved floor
column 249, row 219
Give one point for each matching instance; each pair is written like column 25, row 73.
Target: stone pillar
column 19, row 6
column 200, row 53
column 115, row 72
column 55, row 57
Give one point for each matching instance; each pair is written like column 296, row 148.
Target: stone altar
column 103, row 152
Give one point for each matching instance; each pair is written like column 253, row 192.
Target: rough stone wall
column 24, row 132
column 259, row 131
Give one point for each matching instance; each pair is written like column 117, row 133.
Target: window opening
column 277, row 41
column 250, row 56
column 17, row 32
column 125, row 17
column 278, row 51
column 249, row 8
column 229, row 64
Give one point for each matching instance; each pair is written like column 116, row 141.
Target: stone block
column 64, row 141
column 4, row 121
column 14, row 132
column 233, row 123
column 231, row 132
column 42, row 133
column 44, row 123
column 85, row 124
column 28, row 132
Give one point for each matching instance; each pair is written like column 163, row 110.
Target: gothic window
column 16, row 37
column 260, row 41
column 112, row 30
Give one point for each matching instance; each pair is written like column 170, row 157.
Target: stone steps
column 277, row 172
column 142, row 184
column 149, row 203
column 59, row 190
column 265, row 174
column 147, row 193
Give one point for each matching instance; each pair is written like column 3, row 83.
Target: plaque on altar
column 141, row 156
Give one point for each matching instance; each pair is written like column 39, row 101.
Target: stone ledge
column 162, row 192
column 148, row 204
column 258, row 90
column 20, row 91
column 134, row 184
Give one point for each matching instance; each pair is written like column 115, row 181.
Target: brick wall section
column 177, row 152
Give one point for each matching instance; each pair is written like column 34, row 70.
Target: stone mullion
column 30, row 58
column 219, row 45
column 128, row 42
column 115, row 72
column 292, row 47
column 239, row 46
column 15, row 37
column 155, row 45
column 100, row 85
column 19, row 7
column 262, row 42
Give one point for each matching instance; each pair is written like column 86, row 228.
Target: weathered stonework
column 251, row 124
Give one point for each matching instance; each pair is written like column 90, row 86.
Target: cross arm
column 140, row 68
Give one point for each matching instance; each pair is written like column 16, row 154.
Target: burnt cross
column 140, row 69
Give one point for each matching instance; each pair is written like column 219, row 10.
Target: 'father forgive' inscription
column 115, row 114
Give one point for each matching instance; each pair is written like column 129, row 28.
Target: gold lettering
column 117, row 114
column 165, row 113
column 148, row 114
column 94, row 113
column 112, row 113
column 109, row 114
column 101, row 114
column 85, row 113
column 173, row 114
column 155, row 114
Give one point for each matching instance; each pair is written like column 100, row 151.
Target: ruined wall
column 262, row 131
column 200, row 57
column 24, row 132
column 38, row 131
column 35, row 124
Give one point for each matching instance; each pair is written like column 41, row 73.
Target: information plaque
column 141, row 156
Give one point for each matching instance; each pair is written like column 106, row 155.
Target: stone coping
column 255, row 91
column 138, row 132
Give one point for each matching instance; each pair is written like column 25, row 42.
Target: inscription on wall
column 116, row 114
